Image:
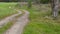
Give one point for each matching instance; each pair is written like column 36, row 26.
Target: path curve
column 17, row 28
column 10, row 18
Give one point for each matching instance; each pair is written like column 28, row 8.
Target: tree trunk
column 29, row 3
column 55, row 5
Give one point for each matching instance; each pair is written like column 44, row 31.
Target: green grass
column 5, row 10
column 5, row 27
column 39, row 24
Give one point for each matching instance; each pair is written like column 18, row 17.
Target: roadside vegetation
column 6, row 9
column 5, row 27
column 41, row 21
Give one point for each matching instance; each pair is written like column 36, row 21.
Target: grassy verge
column 5, row 27
column 6, row 9
column 41, row 24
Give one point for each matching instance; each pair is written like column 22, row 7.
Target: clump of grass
column 5, row 27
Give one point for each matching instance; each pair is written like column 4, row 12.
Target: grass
column 5, row 10
column 9, row 24
column 40, row 23
column 5, row 27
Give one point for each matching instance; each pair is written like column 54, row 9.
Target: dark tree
column 29, row 3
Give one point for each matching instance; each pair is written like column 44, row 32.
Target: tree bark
column 55, row 5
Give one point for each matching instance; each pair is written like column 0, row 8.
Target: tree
column 37, row 1
column 44, row 1
column 55, row 5
column 29, row 3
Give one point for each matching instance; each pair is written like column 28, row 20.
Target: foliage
column 29, row 3
column 44, row 1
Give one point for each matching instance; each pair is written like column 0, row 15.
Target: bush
column 44, row 1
